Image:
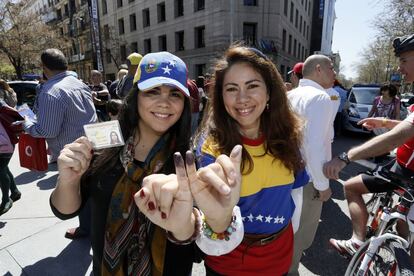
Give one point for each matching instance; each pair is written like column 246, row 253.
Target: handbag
column 8, row 116
column 32, row 153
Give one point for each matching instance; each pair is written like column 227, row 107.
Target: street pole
column 231, row 20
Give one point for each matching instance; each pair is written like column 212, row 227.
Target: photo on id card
column 104, row 135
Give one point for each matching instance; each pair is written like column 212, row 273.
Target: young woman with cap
column 155, row 122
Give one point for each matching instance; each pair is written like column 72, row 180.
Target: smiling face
column 245, row 97
column 406, row 66
column 159, row 109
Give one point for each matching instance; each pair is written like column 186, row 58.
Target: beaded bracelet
column 209, row 233
column 197, row 230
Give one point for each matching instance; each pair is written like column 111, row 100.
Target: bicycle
column 384, row 252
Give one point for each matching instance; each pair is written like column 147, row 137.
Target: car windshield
column 364, row 95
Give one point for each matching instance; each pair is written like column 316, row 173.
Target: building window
column 61, row 31
column 108, row 56
column 296, row 18
column 250, row 2
column 282, row 71
column 179, row 41
column 292, row 8
column 200, row 69
column 121, row 27
column 59, row 14
column 309, row 7
column 299, row 48
column 147, row 45
column 249, row 33
column 199, row 34
column 119, row 3
column 306, row 5
column 294, row 47
column 285, row 8
column 66, row 10
column 145, row 17
column 307, row 32
column 304, row 29
column 199, row 5
column 134, row 47
column 132, row 22
column 104, row 7
column 178, row 8
column 290, row 44
column 122, row 52
column 284, row 40
column 130, row 1
column 106, row 32
column 303, row 53
column 300, row 24
column 162, row 43
column 161, row 12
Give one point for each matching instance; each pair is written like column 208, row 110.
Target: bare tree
column 24, row 36
column 377, row 59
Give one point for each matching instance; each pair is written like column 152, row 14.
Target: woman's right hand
column 74, row 160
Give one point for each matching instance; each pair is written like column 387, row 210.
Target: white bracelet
column 220, row 247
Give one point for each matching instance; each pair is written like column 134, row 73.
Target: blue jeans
column 7, row 183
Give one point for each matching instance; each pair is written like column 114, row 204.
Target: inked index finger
column 180, row 172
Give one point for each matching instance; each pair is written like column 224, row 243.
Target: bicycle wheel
column 389, row 260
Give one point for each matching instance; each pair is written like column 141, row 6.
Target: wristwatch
column 344, row 157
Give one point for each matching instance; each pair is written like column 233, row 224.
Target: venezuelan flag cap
column 162, row 68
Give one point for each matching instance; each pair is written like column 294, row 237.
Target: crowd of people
column 230, row 169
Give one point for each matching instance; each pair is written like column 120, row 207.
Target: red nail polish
column 163, row 215
column 151, row 206
column 142, row 194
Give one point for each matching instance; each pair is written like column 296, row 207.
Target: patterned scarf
column 128, row 231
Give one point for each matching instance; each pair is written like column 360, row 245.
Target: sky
column 354, row 30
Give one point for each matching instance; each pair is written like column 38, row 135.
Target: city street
column 32, row 240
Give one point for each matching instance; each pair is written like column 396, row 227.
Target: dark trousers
column 6, row 177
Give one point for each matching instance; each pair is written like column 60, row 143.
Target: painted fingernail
column 189, row 158
column 163, row 215
column 142, row 194
column 151, row 206
column 178, row 160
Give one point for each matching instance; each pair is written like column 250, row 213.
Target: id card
column 104, row 135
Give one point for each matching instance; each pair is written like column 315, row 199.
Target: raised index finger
column 180, row 172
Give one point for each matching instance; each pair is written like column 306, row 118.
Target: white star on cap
column 173, row 62
column 259, row 217
column 166, row 70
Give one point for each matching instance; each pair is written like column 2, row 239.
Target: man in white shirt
column 317, row 105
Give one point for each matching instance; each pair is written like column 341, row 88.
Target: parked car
column 25, row 90
column 358, row 105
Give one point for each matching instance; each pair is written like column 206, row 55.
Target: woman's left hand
column 166, row 200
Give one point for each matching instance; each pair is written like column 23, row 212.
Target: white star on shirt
column 250, row 217
column 259, row 217
column 268, row 219
column 166, row 70
column 173, row 62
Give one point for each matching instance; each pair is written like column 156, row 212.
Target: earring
column 267, row 106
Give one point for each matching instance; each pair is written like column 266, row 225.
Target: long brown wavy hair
column 280, row 126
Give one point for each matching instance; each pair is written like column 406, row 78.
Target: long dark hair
column 280, row 126
column 128, row 121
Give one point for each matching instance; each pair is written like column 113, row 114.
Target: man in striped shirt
column 64, row 105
